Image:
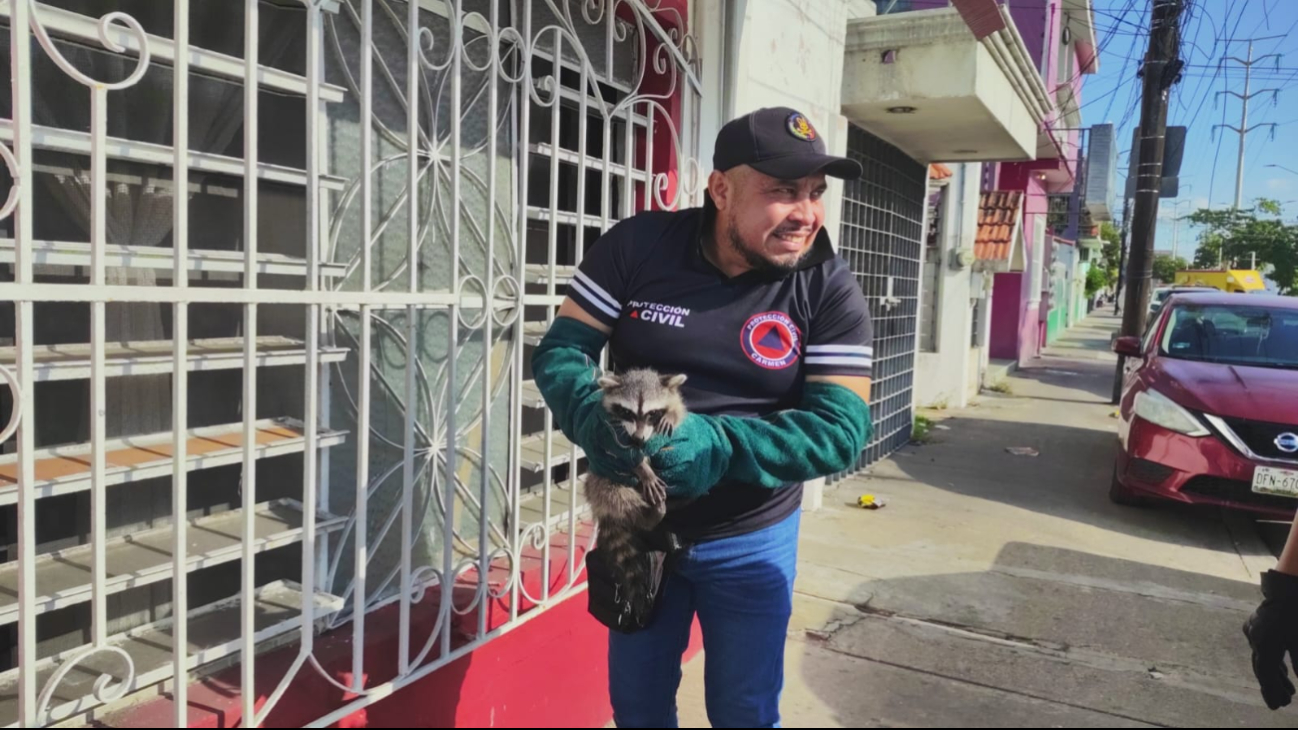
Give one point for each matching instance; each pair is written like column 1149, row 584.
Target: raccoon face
column 644, row 403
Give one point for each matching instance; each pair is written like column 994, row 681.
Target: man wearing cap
column 746, row 297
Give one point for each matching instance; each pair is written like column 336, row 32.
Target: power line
column 1203, row 98
column 1130, row 50
column 1216, row 157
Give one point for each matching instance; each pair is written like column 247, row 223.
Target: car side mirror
column 1127, row 346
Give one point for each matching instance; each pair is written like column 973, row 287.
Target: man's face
column 771, row 223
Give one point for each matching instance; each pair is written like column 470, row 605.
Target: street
column 1002, row 590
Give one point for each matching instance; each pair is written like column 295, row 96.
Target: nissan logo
column 1287, row 442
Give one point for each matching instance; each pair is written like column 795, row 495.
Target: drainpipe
column 959, row 185
column 1006, row 48
column 993, row 26
column 1046, row 37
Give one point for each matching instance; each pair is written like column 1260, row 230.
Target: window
column 1039, row 258
column 128, row 509
column 1058, row 215
column 1233, row 335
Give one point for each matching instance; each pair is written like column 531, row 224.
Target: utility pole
column 1176, row 235
column 1243, row 129
column 1122, row 253
column 1176, row 224
column 1162, row 68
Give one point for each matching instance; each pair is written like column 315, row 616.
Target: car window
column 1244, row 334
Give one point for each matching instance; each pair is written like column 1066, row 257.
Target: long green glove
column 824, row 435
column 566, row 369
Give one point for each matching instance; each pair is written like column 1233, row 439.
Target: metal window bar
column 456, row 455
column 882, row 240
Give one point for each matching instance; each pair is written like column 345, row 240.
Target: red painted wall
column 1007, row 309
column 550, row 671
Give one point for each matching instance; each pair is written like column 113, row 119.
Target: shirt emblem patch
column 771, row 340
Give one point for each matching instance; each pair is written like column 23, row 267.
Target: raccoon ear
column 673, row 381
column 608, row 381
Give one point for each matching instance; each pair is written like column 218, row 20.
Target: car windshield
column 1243, row 334
column 1160, row 295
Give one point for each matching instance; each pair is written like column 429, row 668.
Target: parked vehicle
column 1160, row 295
column 1234, row 281
column 1209, row 410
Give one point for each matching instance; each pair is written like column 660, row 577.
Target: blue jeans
column 742, row 590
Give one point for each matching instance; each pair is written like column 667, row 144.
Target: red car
column 1210, row 405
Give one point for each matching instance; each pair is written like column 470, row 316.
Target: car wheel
column 1125, row 496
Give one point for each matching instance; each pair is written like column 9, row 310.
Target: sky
column 1208, row 170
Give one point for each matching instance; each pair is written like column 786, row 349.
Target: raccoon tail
column 619, row 545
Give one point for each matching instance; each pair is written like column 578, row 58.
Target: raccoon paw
column 655, row 491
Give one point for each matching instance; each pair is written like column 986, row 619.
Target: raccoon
column 642, row 403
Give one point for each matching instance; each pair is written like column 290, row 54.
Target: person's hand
column 1272, row 633
column 692, row 458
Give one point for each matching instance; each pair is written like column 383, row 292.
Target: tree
column 1096, row 279
column 1111, row 253
column 1166, row 266
column 1233, row 236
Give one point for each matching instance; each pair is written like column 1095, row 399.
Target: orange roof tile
column 938, row 171
column 998, row 216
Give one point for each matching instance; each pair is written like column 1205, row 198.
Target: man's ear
column 721, row 189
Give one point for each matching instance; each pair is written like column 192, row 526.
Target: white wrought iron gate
column 274, row 267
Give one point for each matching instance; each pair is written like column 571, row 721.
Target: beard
column 760, row 263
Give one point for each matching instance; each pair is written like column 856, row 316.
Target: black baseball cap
column 780, row 142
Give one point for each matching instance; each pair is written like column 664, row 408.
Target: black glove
column 1272, row 632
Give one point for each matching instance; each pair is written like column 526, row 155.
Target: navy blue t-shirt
column 746, row 343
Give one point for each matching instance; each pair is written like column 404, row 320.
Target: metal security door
column 882, row 241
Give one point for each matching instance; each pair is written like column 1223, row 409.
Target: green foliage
column 1233, row 236
column 1166, row 266
column 1111, row 253
column 1096, row 279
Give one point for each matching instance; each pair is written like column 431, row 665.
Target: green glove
column 566, row 369
column 694, row 458
column 824, row 435
column 609, row 452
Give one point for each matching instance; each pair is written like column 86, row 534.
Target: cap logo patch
column 800, row 127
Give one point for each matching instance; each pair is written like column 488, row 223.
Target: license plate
column 1280, row 482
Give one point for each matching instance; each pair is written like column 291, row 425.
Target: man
column 747, row 298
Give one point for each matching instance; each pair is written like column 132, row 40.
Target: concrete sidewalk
column 997, row 590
